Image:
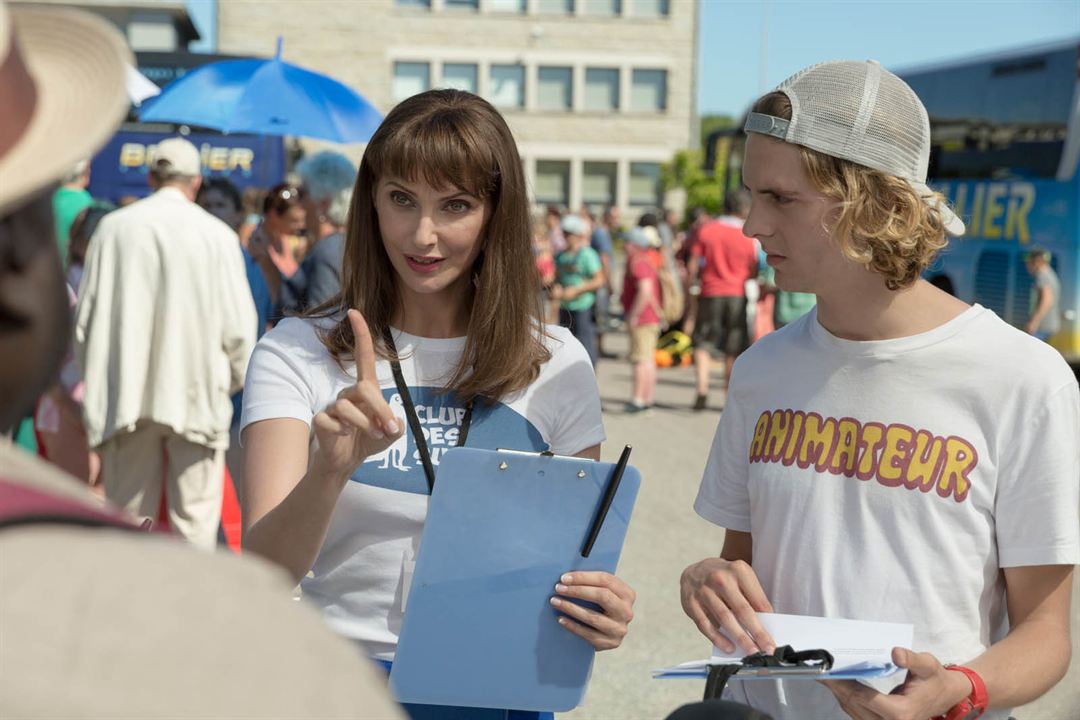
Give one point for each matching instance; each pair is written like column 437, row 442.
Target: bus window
column 999, row 119
column 992, row 280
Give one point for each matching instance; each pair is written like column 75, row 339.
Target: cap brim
column 78, row 63
column 953, row 224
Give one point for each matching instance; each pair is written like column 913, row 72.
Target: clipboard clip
column 784, row 661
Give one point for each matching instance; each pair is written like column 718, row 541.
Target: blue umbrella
column 266, row 97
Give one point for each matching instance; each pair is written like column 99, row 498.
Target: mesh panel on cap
column 861, row 112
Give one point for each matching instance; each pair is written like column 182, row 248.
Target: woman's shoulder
column 299, row 335
column 565, row 349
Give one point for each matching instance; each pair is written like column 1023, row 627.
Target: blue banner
column 120, row 168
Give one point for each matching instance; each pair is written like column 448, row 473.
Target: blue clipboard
column 502, row 527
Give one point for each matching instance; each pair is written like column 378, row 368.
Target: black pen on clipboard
column 605, row 502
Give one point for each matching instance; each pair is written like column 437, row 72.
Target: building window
column 555, row 7
column 650, row 8
column 645, row 184
column 604, row 8
column 648, row 90
column 554, row 88
column 598, row 183
column 462, row 4
column 553, row 182
column 507, row 87
column 601, row 88
column 410, row 78
column 413, row 3
column 460, row 76
column 511, row 6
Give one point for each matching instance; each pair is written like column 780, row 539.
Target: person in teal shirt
column 70, row 199
column 579, row 273
column 788, row 306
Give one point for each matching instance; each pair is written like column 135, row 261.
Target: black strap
column 414, row 420
column 717, row 680
column 783, row 657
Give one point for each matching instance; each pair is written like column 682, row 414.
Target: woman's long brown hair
column 450, row 138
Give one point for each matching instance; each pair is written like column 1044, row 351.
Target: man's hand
column 359, row 423
column 930, row 690
column 726, row 594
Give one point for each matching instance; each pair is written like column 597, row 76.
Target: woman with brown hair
column 279, row 243
column 435, row 341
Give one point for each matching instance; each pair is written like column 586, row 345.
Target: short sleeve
column 574, row 417
column 594, row 264
column 1039, row 487
column 724, row 497
column 280, row 382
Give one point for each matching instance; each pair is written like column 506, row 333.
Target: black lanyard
column 414, row 419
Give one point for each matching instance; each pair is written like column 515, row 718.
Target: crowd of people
column 375, row 317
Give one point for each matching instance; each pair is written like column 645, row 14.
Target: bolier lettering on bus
column 998, row 211
column 216, row 159
column 895, row 455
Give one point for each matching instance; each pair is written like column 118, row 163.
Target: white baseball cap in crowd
column 573, row 225
column 177, row 156
column 859, row 111
column 62, row 83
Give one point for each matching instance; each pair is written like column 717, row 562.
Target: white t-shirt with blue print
column 358, row 577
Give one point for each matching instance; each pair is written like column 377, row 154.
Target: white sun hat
column 62, row 80
column 860, row 112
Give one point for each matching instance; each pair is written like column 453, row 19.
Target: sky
column 746, row 47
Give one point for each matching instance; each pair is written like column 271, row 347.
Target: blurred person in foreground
column 1045, row 318
column 327, row 178
column 97, row 618
column 874, row 461
column 164, row 327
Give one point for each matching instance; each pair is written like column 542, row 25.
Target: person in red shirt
column 724, row 259
column 641, row 298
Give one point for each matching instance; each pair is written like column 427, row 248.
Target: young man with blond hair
column 895, row 454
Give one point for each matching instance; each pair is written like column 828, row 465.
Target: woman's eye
column 458, row 206
column 399, row 198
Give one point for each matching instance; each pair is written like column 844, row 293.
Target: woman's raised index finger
column 363, row 347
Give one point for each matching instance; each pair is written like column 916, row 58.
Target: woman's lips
column 772, row 259
column 423, row 265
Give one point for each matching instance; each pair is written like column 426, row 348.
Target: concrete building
column 598, row 93
column 148, row 25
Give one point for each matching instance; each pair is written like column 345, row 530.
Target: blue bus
column 1005, row 131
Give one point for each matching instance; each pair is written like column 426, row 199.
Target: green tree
column 685, row 171
column 711, row 123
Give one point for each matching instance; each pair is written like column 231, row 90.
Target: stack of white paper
column 860, row 649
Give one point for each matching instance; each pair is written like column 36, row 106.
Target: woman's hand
column 603, row 630
column 726, row 594
column 359, row 423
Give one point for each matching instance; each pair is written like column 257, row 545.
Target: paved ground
column 670, row 447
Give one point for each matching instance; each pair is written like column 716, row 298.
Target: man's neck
column 868, row 310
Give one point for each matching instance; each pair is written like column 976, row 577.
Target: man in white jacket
column 164, row 328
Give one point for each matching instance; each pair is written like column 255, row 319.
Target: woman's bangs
column 437, row 152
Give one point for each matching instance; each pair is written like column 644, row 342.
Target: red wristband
column 974, row 705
